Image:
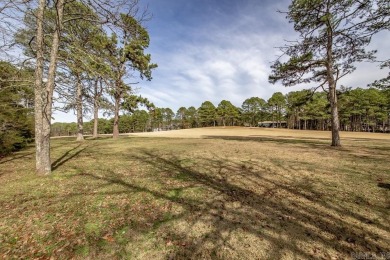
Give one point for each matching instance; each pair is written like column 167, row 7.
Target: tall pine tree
column 334, row 35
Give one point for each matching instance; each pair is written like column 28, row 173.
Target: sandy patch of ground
column 258, row 132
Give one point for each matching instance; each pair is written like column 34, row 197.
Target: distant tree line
column 360, row 110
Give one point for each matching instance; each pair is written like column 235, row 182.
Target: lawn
column 212, row 193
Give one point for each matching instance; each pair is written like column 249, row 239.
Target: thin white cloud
column 233, row 63
column 227, row 56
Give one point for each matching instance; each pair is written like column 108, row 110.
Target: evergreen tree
column 192, row 117
column 181, row 117
column 227, row 111
column 295, row 101
column 16, row 107
column 127, row 54
column 254, row 110
column 333, row 36
column 277, row 104
column 207, row 114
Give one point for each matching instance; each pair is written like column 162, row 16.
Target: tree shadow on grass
column 99, row 138
column 308, row 142
column 384, row 185
column 380, row 153
column 68, row 155
column 241, row 210
column 250, row 213
column 15, row 157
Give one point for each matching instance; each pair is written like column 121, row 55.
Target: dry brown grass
column 216, row 193
column 256, row 131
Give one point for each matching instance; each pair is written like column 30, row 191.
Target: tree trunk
column 95, row 118
column 39, row 90
column 273, row 116
column 383, row 125
column 96, row 98
column 332, row 88
column 115, row 132
column 79, row 110
column 334, row 112
column 44, row 156
column 118, row 96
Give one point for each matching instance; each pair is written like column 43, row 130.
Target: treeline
column 360, row 110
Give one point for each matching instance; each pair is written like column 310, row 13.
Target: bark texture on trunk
column 95, row 119
column 115, row 132
column 335, row 124
column 39, row 89
column 48, row 95
column 96, row 109
column 79, row 109
column 118, row 97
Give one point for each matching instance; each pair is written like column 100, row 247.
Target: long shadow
column 293, row 137
column 365, row 139
column 201, row 208
column 66, row 156
column 384, row 185
column 99, row 138
column 279, row 140
column 11, row 157
column 5, row 159
column 380, row 153
column 282, row 213
column 302, row 213
column 300, row 221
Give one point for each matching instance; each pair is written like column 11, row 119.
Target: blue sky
column 222, row 49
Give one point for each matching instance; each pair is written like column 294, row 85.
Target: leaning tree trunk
column 39, row 90
column 79, row 109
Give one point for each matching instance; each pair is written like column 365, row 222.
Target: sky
column 223, row 49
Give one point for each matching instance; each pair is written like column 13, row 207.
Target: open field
column 249, row 132
column 214, row 193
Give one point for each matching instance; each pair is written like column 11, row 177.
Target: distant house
column 273, row 124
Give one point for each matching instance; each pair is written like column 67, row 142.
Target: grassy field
column 215, row 193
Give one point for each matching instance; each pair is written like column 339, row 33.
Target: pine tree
column 333, row 36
